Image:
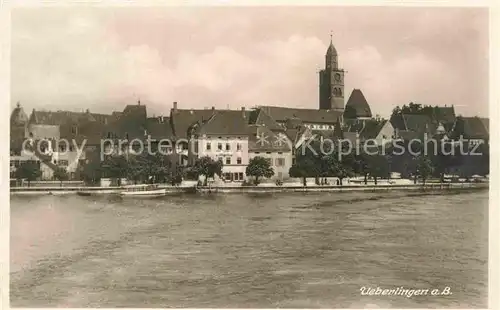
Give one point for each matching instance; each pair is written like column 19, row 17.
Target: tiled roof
column 372, row 129
column 262, row 139
column 225, row 122
column 260, row 117
column 357, row 106
column 281, row 114
column 183, row 119
column 472, row 128
column 419, row 123
column 159, row 128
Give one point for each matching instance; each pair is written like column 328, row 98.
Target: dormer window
column 74, row 130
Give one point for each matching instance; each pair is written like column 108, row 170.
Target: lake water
column 253, row 251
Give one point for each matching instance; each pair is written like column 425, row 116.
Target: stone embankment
column 255, row 189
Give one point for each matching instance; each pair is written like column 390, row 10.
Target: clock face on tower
column 337, row 77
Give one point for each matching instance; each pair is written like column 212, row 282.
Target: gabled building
column 473, row 129
column 276, row 147
column 223, row 136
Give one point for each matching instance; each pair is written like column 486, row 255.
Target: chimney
column 213, row 108
column 243, row 112
column 175, row 106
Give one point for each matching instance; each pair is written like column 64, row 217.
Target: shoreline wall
column 259, row 189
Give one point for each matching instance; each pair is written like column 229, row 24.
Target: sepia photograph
column 249, row 157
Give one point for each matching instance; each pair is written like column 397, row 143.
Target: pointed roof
column 331, row 49
column 357, row 106
column 472, row 128
column 260, row 117
column 18, row 116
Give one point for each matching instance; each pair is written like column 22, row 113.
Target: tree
column 259, row 167
column 90, row 172
column 207, row 167
column 29, row 170
column 378, row 167
column 115, row 167
column 302, row 169
column 424, row 167
column 61, row 174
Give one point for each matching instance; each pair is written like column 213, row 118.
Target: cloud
column 201, row 57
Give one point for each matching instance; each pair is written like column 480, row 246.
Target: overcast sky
column 103, row 59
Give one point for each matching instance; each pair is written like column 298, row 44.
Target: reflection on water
column 286, row 250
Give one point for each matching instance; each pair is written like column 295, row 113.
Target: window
column 238, row 160
column 235, row 176
column 71, row 148
column 62, row 148
column 209, row 146
column 268, row 152
column 257, row 152
column 220, row 159
column 228, row 147
column 228, row 160
column 280, row 162
column 219, row 146
column 269, row 160
column 74, row 130
column 238, row 146
column 227, row 176
column 280, row 153
column 240, row 175
column 63, row 162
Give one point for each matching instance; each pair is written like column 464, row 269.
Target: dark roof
column 419, row 123
column 18, row 116
column 269, row 141
column 225, row 122
column 281, row 114
column 398, row 122
column 331, row 49
column 183, row 119
column 486, row 123
column 472, row 128
column 444, row 114
column 368, row 129
column 357, row 106
column 260, row 117
column 159, row 128
column 372, row 129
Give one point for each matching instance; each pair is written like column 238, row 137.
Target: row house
column 224, row 137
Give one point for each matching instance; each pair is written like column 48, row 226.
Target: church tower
column 331, row 82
